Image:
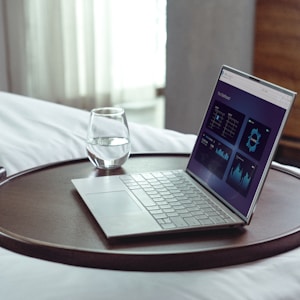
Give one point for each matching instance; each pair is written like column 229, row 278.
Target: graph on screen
column 241, row 173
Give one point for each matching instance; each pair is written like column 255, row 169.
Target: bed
column 34, row 133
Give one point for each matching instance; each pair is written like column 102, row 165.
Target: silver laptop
column 224, row 176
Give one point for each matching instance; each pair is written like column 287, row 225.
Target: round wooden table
column 43, row 216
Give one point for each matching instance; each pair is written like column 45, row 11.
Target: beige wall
column 203, row 35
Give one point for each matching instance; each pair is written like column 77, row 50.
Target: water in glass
column 108, row 142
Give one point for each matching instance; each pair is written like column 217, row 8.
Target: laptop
column 224, row 175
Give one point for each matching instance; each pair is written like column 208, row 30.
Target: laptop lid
column 238, row 138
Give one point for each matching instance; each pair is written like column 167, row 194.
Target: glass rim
column 108, row 111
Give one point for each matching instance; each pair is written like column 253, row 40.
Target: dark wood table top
column 42, row 215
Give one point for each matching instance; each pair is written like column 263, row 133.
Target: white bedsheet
column 34, row 133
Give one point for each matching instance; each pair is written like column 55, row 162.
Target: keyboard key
column 155, row 211
column 178, row 221
column 159, row 216
column 172, row 214
column 168, row 226
column 138, row 177
column 200, row 216
column 168, row 210
column 217, row 219
column 206, row 222
column 154, row 207
column 186, row 215
column 143, row 197
column 148, row 176
column 192, row 221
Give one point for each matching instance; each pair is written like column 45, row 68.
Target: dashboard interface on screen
column 236, row 140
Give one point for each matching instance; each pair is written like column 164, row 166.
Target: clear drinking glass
column 108, row 138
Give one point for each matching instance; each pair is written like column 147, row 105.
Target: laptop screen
column 238, row 138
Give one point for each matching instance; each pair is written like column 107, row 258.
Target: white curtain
column 86, row 53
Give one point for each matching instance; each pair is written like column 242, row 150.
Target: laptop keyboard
column 173, row 200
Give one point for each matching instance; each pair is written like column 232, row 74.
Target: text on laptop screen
column 237, row 135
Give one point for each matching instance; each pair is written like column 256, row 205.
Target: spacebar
column 143, row 197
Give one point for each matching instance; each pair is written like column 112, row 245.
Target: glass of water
column 108, row 139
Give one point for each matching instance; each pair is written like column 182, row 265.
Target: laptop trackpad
column 112, row 203
column 119, row 215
